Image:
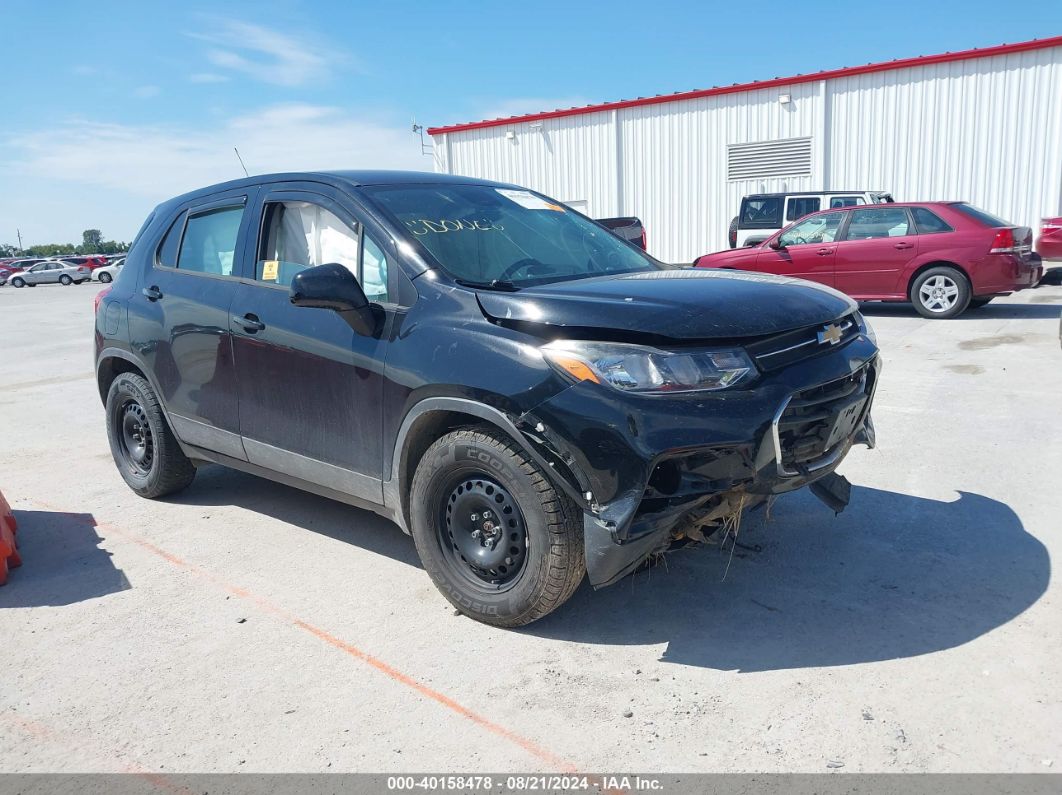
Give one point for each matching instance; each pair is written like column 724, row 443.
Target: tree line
column 92, row 242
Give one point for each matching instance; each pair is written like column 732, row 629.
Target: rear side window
column 980, row 215
column 870, row 224
column 800, row 206
column 846, row 201
column 209, row 243
column 929, row 222
column 764, row 212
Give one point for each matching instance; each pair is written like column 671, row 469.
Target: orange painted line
column 531, row 747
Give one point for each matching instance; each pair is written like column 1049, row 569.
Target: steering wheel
column 520, row 264
column 796, row 241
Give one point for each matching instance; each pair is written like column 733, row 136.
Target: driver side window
column 818, row 229
column 300, row 235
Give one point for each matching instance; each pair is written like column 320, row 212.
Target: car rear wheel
column 144, row 448
column 65, row 280
column 940, row 293
column 105, row 277
column 977, row 303
column 16, row 282
column 495, row 536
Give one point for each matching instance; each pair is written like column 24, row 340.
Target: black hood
column 676, row 304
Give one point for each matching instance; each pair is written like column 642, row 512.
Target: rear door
column 310, row 387
column 179, row 319
column 807, row 249
column 874, row 249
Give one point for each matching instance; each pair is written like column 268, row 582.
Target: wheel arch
column 937, row 263
column 435, row 417
column 111, row 363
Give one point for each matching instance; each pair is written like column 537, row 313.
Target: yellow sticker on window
column 270, row 269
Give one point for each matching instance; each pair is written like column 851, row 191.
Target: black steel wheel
column 144, row 449
column 482, row 532
column 497, row 538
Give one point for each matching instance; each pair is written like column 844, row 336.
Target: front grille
column 804, row 426
column 791, row 347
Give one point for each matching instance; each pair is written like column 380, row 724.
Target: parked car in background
column 763, row 214
column 532, row 399
column 109, row 272
column 90, row 262
column 14, row 266
column 1049, row 243
column 50, row 272
column 630, row 229
column 941, row 256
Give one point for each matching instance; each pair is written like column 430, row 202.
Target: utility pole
column 19, row 233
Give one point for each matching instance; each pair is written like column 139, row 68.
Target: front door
column 807, row 249
column 874, row 250
column 310, row 387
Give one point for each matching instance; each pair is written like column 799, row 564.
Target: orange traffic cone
column 8, row 548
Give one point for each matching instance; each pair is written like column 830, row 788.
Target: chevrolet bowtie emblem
column 830, row 334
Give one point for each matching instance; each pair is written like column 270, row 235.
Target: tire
column 731, row 234
column 977, row 303
column 16, row 282
column 105, row 278
column 65, row 280
column 143, row 446
column 469, row 472
column 940, row 293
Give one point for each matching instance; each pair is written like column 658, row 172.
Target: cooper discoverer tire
column 144, row 448
column 501, row 543
column 940, row 293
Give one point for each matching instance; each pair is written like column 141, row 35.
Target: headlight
column 867, row 329
column 639, row 369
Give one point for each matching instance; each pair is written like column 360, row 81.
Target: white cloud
column 271, row 56
column 146, row 92
column 207, row 77
column 111, row 175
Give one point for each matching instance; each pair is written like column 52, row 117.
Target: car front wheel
column 495, row 536
column 105, row 277
column 17, row 283
column 940, row 293
column 144, row 448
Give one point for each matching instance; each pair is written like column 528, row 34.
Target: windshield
column 488, row 236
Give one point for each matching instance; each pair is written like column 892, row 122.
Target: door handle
column 902, row 246
column 249, row 322
column 822, row 252
column 153, row 293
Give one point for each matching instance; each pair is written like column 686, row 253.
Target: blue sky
column 109, row 107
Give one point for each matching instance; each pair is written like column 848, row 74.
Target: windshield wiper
column 495, row 284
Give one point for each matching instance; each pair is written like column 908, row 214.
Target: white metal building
column 981, row 125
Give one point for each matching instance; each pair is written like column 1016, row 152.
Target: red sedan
column 1049, row 244
column 941, row 256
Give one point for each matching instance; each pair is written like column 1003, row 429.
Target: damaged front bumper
column 654, row 469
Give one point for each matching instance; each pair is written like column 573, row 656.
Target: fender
column 394, row 488
column 122, row 353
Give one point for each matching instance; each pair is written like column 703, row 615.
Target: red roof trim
column 899, row 63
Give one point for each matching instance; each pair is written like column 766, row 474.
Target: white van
column 763, row 214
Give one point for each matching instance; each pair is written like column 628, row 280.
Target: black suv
column 529, row 396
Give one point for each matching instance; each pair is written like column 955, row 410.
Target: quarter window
column 209, row 243
column 800, row 206
column 871, row 224
column 929, row 222
column 820, row 229
column 301, row 235
column 374, row 271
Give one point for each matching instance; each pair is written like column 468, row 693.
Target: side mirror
column 334, row 287
column 775, row 243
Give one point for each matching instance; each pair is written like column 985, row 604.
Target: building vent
column 790, row 157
